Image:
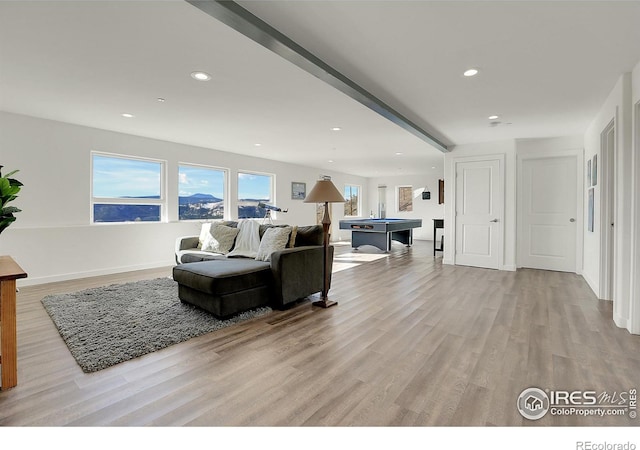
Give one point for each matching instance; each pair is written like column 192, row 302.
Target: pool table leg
column 403, row 236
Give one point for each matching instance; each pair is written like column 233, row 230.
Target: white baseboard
column 509, row 267
column 594, row 286
column 621, row 322
column 92, row 273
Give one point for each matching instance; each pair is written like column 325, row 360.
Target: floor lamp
column 325, row 192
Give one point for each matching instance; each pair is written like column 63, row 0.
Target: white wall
column 53, row 239
column 506, row 149
column 427, row 210
column 616, row 107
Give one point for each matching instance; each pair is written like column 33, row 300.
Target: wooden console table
column 10, row 271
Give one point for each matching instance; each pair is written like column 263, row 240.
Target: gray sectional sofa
column 225, row 286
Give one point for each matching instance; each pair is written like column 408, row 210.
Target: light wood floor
column 411, row 343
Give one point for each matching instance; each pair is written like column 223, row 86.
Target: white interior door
column 479, row 213
column 549, row 213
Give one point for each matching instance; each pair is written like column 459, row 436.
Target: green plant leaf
column 6, row 221
column 4, row 226
column 9, row 188
column 8, row 191
column 5, row 200
column 9, row 210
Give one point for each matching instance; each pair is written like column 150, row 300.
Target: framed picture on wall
column 298, row 190
column 594, row 170
column 405, row 198
column 589, row 173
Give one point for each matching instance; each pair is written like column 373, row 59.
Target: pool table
column 380, row 232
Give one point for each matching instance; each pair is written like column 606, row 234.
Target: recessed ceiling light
column 331, row 160
column 433, row 167
column 470, row 72
column 336, row 129
column 493, row 117
column 127, row 115
column 200, row 76
column 257, row 145
column 160, row 99
column 398, row 153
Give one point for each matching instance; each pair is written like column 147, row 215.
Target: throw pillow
column 220, row 239
column 292, row 240
column 274, row 239
column 310, row 235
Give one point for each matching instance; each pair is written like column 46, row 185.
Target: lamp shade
column 324, row 191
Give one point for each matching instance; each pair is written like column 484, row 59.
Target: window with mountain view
column 352, row 197
column 201, row 192
column 253, row 189
column 126, row 189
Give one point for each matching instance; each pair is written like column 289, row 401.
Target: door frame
column 579, row 155
column 634, row 307
column 500, row 157
column 608, row 214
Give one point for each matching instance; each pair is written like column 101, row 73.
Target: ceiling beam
column 241, row 20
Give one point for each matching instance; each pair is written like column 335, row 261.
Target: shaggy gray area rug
column 108, row 325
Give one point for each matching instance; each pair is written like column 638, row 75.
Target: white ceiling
column 545, row 68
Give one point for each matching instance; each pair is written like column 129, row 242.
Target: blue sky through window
column 200, row 180
column 119, row 177
column 254, row 186
column 350, row 191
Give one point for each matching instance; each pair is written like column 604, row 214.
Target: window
column 254, row 188
column 352, row 197
column 201, row 192
column 126, row 189
column 405, row 198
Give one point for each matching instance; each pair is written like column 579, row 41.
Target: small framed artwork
column 590, row 211
column 298, row 190
column 594, row 171
column 589, row 173
column 405, row 198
